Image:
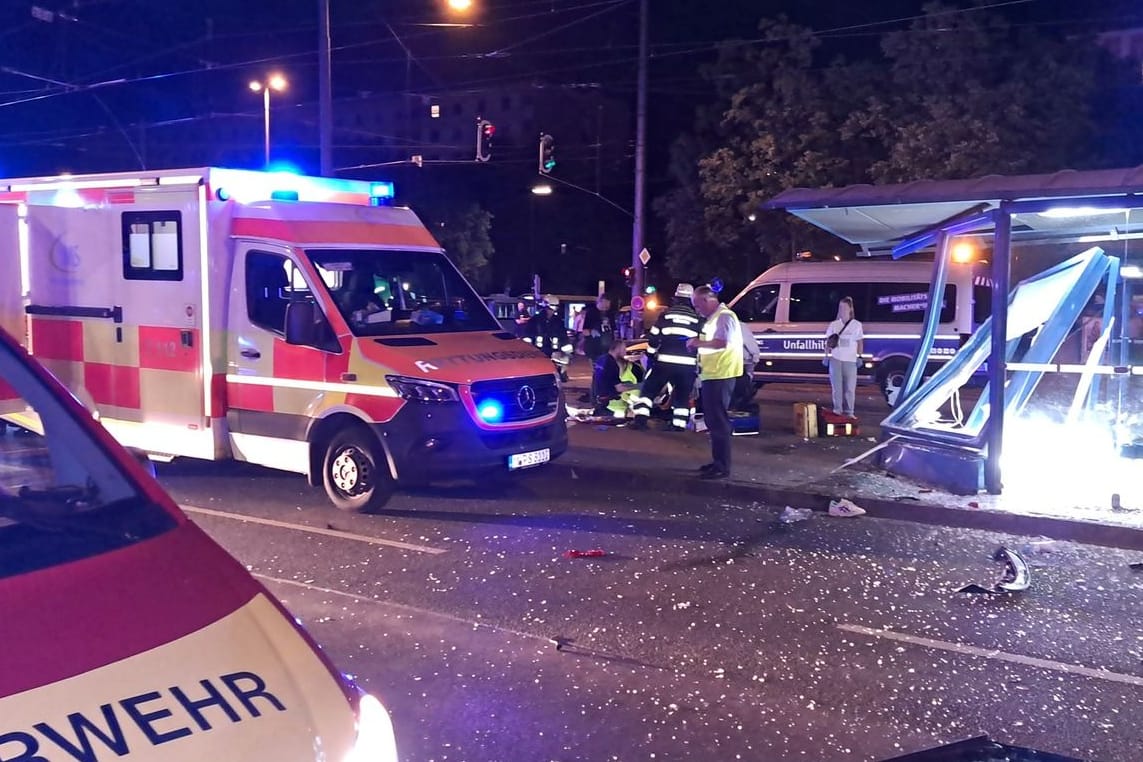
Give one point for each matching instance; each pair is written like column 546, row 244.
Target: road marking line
column 987, row 653
column 402, row 607
column 315, row 530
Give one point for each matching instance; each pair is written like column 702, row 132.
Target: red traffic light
column 489, row 130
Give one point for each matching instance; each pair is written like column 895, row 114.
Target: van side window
column 152, row 245
column 267, row 278
column 817, row 302
column 759, row 305
column 906, row 303
column 981, row 304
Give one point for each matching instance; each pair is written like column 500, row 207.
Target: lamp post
column 273, row 82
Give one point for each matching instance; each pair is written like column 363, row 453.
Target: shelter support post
column 998, row 360
column 920, row 359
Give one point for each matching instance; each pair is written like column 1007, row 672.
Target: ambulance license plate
column 528, row 459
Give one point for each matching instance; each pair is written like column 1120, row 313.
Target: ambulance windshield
column 393, row 293
column 62, row 496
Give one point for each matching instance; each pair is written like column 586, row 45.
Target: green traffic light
column 549, row 164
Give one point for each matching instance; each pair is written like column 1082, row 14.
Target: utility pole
column 325, row 86
column 640, row 170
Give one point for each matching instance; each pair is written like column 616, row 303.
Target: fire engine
column 301, row 323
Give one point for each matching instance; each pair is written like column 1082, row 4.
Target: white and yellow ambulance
column 127, row 632
column 296, row 322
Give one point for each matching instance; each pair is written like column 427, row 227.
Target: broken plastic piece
column 1135, row 566
column 1016, row 577
column 596, row 553
column 560, row 642
column 793, row 515
column 845, row 508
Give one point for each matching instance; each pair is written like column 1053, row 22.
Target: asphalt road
column 709, row 631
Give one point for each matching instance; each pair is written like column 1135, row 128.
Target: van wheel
column 354, row 474
column 891, row 379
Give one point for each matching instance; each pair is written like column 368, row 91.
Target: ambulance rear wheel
column 354, row 472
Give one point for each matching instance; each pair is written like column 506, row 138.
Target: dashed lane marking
column 337, row 533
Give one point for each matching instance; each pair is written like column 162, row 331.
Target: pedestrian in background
column 720, row 353
column 845, row 339
column 522, row 319
column 598, row 328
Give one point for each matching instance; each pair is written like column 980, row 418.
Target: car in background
column 127, row 631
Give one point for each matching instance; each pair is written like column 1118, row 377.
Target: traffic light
column 484, row 132
column 547, row 154
column 627, row 273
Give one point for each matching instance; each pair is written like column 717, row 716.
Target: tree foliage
column 960, row 93
column 463, row 230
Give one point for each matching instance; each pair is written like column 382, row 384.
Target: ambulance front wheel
column 354, row 472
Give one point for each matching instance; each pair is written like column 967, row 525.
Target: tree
column 972, row 95
column 463, row 231
column 960, row 93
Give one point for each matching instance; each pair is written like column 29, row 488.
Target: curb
column 1085, row 532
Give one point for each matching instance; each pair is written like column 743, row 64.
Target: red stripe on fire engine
column 250, row 397
column 115, row 605
column 162, row 348
column 112, row 384
column 305, row 232
column 57, row 339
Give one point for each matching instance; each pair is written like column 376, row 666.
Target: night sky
column 160, row 60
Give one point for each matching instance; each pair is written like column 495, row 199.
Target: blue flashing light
column 222, row 194
column 716, row 285
column 284, row 195
column 284, row 168
column 382, row 190
column 490, row 411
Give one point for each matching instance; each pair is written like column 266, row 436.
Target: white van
column 790, row 306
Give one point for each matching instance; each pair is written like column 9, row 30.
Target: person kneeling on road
column 671, row 361
column 615, row 380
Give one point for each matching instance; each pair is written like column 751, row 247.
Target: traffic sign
column 637, row 304
column 644, row 257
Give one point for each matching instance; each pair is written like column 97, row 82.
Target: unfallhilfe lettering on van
column 161, row 717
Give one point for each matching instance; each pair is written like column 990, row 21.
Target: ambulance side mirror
column 301, row 323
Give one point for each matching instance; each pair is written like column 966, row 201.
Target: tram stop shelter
column 1061, row 351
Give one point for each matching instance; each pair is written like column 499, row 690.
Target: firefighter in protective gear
column 545, row 331
column 672, row 362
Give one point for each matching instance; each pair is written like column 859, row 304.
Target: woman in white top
column 843, row 357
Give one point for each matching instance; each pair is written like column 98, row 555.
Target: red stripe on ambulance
column 57, row 339
column 112, row 384
column 307, row 232
column 162, row 348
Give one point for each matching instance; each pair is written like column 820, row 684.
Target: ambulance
column 128, row 633
column 300, row 323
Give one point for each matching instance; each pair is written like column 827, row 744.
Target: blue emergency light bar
column 382, row 191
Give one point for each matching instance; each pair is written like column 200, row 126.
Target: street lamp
column 274, row 82
column 542, row 190
column 460, row 6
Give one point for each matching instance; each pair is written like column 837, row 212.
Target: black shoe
column 714, row 473
column 639, row 423
column 707, row 467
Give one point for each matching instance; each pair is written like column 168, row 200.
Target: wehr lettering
column 159, row 716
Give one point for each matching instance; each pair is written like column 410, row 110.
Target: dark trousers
column 715, row 410
column 682, row 381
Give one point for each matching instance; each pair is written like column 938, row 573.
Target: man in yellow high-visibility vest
column 720, row 364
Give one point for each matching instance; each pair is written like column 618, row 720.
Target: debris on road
column 1135, row 566
column 595, row 553
column 793, row 515
column 1016, row 577
column 845, row 508
column 560, row 642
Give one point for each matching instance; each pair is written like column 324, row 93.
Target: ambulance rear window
column 152, row 246
column 62, row 497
